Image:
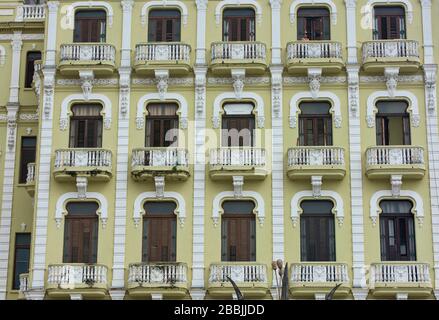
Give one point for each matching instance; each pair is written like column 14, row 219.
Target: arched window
column 159, row 241
column 239, row 25
column 164, row 26
column 31, row 57
column 86, row 126
column 81, row 233
column 397, row 231
column 238, row 231
column 393, row 123
column 389, row 23
column 313, row 24
column 238, row 125
column 315, row 124
column 317, row 231
column 161, row 125
column 90, row 26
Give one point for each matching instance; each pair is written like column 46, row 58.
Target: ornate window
column 393, row 123
column 317, row 231
column 397, row 231
column 90, row 26
column 161, row 125
column 238, row 231
column 21, row 257
column 159, row 240
column 238, row 124
column 315, row 124
column 81, row 233
column 31, row 57
column 86, row 126
column 239, row 25
column 313, row 24
column 389, row 23
column 164, row 26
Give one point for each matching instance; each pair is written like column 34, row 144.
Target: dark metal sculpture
column 285, row 284
column 239, row 295
column 331, row 293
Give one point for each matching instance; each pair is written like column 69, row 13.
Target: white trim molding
column 406, row 3
column 412, row 100
column 60, row 210
column 94, row 97
column 2, row 55
column 143, row 101
column 176, row 197
column 69, row 11
column 230, row 96
column 322, row 95
column 259, row 210
column 337, row 210
column 298, row 3
column 416, row 199
column 244, row 3
column 161, row 4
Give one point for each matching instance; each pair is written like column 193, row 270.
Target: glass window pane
column 392, row 107
column 395, row 206
column 238, row 207
column 389, row 10
column 164, row 13
column 91, row 14
column 82, row 208
column 314, row 108
column 160, row 207
column 313, row 12
column 247, row 12
column 87, row 110
column 316, row 207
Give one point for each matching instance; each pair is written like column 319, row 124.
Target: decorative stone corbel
column 86, row 78
column 161, row 78
column 276, row 89
column 81, row 185
column 49, row 85
column 200, row 89
column 391, row 76
column 238, row 76
column 124, row 91
column 353, row 82
column 314, row 77
column 238, row 183
column 12, row 125
column 159, row 186
column 396, row 183
column 316, row 183
column 430, row 86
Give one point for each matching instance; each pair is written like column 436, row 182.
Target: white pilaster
column 276, row 48
column 16, row 63
column 120, row 211
column 38, row 260
column 427, row 32
column 200, row 51
column 351, row 29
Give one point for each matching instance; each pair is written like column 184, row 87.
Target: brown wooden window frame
column 311, row 223
column 31, row 57
column 382, row 132
column 162, row 23
column 70, row 240
column 313, row 24
column 384, row 15
column 27, row 155
column 318, row 121
column 239, row 24
column 244, row 221
column 89, row 28
column 403, row 225
column 152, row 222
column 77, row 122
column 25, row 246
column 161, row 120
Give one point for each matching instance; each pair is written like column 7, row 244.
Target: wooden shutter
column 80, row 240
column 239, row 238
column 90, row 26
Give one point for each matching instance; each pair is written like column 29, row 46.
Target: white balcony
column 30, row 179
column 172, row 56
column 169, row 162
column 169, row 279
column 24, row 285
column 94, row 163
column 391, row 278
column 98, row 57
column 379, row 54
column 250, row 277
column 30, row 12
column 249, row 55
column 242, row 161
column 323, row 54
column 384, row 161
column 325, row 161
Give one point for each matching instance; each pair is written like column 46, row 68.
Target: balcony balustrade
column 323, row 54
column 307, row 161
column 242, row 161
column 390, row 278
column 30, row 179
column 248, row 55
column 379, row 54
column 384, row 161
column 250, row 277
column 30, row 12
column 169, row 162
column 24, row 285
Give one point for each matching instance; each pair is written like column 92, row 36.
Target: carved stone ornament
column 124, row 92
column 86, row 77
column 159, row 186
column 430, row 86
column 396, row 183
column 238, row 76
column 12, row 125
column 81, row 185
column 316, row 183
column 238, row 183
column 391, row 76
column 200, row 90
column 161, row 78
column 314, row 78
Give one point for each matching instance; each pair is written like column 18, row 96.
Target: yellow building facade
column 152, row 149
